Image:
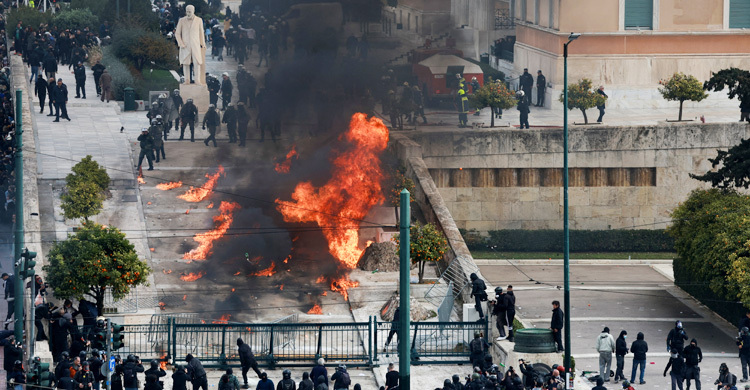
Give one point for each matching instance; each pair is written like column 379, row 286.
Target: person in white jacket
column 605, row 345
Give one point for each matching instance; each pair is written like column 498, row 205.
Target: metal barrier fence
column 432, row 342
column 291, row 344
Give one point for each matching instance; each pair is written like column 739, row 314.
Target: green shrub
column 28, row 16
column 624, row 240
column 139, row 47
column 697, row 286
column 75, row 19
column 140, row 15
column 95, row 6
column 121, row 76
column 203, row 10
column 156, row 80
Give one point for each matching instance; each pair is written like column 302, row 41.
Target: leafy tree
column 88, row 170
column 140, row 47
column 681, row 87
column 494, row 94
column 399, row 182
column 711, row 231
column 737, row 82
column 85, row 190
column 582, row 97
column 427, row 244
column 95, row 259
column 95, row 6
column 735, row 167
column 82, row 201
column 75, row 19
column 28, row 16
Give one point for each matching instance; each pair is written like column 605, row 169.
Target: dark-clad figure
column 556, row 324
column 196, row 373
column 243, row 119
column 541, row 88
column 179, row 378
column 147, row 148
column 226, row 90
column 212, row 120
column 601, row 107
column 230, row 118
column 523, row 109
column 526, row 81
column 60, row 99
column 105, row 85
column 98, row 70
column 80, row 75
column 247, row 360
column 188, row 115
column 479, row 294
column 40, row 90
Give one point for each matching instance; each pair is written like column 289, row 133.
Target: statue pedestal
column 199, row 94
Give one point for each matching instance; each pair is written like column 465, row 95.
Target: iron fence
column 431, row 342
column 296, row 344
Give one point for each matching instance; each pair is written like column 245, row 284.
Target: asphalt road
column 635, row 298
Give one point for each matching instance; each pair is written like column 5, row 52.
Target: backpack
column 128, row 374
column 285, row 384
column 345, row 380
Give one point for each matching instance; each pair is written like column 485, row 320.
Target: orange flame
column 197, row 194
column 163, row 360
column 210, row 205
column 224, row 319
column 192, row 277
column 140, row 180
column 315, row 310
column 166, row 271
column 162, row 306
column 347, row 197
column 281, row 287
column 265, row 272
column 237, row 273
column 206, row 240
column 320, row 279
column 342, row 286
column 184, row 297
column 169, row 185
column 284, row 166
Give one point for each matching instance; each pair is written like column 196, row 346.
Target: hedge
column 625, row 240
column 699, row 288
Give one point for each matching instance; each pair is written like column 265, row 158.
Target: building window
column 523, row 10
column 739, row 13
column 536, row 11
column 639, row 14
column 552, row 14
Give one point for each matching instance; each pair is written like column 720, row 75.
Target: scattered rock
column 379, row 256
column 418, row 310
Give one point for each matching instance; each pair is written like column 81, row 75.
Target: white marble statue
column 192, row 42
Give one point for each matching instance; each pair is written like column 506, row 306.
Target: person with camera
column 129, row 372
column 479, row 294
column 743, row 344
column 726, row 379
column 156, row 371
column 341, row 379
column 179, row 378
column 528, row 372
column 676, row 338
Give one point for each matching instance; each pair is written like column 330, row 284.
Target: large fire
column 265, row 272
column 286, row 165
column 315, row 310
column 342, row 285
column 353, row 189
column 224, row 319
column 192, row 277
column 206, row 240
column 197, row 194
column 169, row 185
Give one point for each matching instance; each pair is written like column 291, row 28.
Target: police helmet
column 131, row 358
column 176, row 92
column 287, row 374
column 520, row 93
column 225, row 74
column 154, row 122
column 190, row 100
column 229, row 104
column 745, row 330
column 95, row 352
column 211, row 106
column 498, row 290
column 154, row 103
column 154, row 364
column 342, row 367
column 158, row 117
column 65, row 355
column 476, row 334
column 17, row 363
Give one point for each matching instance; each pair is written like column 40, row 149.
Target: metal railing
column 295, row 344
column 432, row 342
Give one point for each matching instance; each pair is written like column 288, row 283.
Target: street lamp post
column 566, row 227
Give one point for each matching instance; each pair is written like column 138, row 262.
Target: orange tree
column 582, row 97
column 494, row 94
column 427, row 244
column 95, row 259
column 681, row 87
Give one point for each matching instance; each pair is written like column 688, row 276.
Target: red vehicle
column 437, row 75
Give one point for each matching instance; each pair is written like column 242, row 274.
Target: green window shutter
column 739, row 13
column 639, row 14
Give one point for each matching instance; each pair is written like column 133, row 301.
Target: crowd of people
column 7, row 133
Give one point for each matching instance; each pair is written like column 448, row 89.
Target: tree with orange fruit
column 94, row 260
column 427, row 244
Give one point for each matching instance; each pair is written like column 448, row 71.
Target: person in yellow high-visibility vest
column 463, row 108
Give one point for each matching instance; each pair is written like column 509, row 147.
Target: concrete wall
column 621, row 177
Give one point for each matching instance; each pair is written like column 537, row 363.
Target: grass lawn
column 158, row 80
column 574, row 256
